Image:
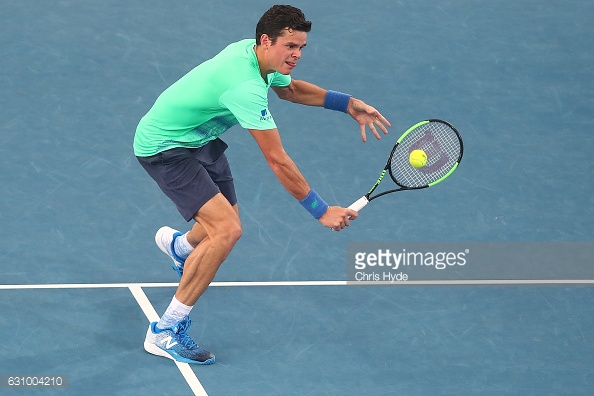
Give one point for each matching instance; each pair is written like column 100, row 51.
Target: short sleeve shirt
column 214, row 96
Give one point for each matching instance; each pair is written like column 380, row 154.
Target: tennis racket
column 443, row 147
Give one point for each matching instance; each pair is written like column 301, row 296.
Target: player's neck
column 264, row 66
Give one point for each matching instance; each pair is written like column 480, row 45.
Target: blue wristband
column 314, row 204
column 336, row 101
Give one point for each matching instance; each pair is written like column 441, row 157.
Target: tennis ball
column 418, row 158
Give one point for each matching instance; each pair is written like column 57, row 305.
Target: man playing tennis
column 177, row 142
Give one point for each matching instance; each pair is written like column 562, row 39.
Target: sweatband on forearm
column 336, row 101
column 314, row 204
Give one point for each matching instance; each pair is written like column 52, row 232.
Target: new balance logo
column 265, row 115
column 168, row 343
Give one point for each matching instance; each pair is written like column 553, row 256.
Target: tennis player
column 177, row 142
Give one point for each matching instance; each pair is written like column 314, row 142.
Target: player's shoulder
column 237, row 64
column 242, row 49
column 245, row 43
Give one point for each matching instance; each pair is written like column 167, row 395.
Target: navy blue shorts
column 191, row 177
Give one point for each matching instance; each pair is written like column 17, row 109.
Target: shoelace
column 183, row 337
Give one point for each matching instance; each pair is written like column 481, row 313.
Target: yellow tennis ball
column 418, row 158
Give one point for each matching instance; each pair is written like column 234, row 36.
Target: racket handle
column 359, row 204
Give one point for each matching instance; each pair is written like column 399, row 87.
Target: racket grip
column 359, row 204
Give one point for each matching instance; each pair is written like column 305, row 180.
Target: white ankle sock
column 174, row 313
column 182, row 246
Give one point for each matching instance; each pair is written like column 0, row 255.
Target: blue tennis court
column 81, row 276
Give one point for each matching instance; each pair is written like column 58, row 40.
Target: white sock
column 182, row 247
column 174, row 313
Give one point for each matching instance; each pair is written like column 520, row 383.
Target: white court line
column 152, row 316
column 86, row 285
column 307, row 283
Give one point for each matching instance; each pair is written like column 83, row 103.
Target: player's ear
column 265, row 41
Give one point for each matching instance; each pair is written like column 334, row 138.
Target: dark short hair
column 279, row 18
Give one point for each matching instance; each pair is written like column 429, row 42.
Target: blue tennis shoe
column 175, row 343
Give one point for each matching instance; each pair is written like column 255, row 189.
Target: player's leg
column 179, row 246
column 214, row 161
column 178, row 172
column 220, row 172
column 223, row 227
column 217, row 229
column 196, row 234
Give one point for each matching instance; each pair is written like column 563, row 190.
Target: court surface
column 80, row 275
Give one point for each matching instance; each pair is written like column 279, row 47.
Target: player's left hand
column 367, row 116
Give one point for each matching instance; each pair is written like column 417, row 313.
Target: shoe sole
column 158, row 239
column 155, row 350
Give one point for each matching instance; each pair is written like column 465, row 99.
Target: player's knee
column 235, row 232
column 228, row 233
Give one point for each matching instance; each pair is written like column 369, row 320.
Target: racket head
column 444, row 148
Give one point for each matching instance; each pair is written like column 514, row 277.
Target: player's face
column 286, row 51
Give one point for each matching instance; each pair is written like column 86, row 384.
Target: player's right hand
column 336, row 218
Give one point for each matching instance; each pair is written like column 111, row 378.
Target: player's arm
column 309, row 94
column 291, row 178
column 302, row 92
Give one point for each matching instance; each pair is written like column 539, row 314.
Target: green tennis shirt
column 214, row 96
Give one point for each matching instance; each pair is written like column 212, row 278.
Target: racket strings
column 442, row 146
